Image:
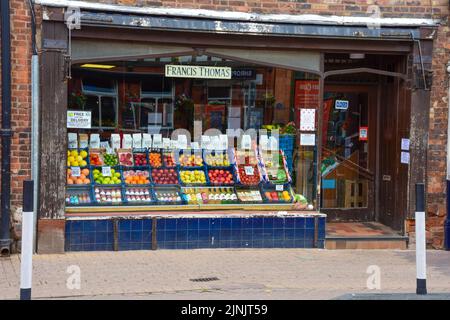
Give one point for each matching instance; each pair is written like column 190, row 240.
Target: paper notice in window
column 307, row 119
column 307, row 139
column 404, row 158
column 405, row 144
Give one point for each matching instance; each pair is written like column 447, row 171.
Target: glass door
column 348, row 152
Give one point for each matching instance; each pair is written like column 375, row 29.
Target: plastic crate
column 76, row 193
column 136, row 168
column 154, row 151
column 279, row 199
column 231, row 169
column 207, row 183
column 153, row 182
column 160, row 193
column 132, row 194
column 188, row 152
column 116, row 169
column 101, row 195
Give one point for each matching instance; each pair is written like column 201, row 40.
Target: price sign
column 249, row 171
column 75, row 171
column 279, row 187
column 106, row 171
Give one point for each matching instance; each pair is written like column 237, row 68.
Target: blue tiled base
column 194, row 233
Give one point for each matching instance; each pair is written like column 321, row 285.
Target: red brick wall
column 437, row 140
column 389, row 8
column 21, row 98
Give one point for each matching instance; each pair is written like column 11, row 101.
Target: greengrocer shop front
column 178, row 133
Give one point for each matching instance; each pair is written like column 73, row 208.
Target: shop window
column 281, row 173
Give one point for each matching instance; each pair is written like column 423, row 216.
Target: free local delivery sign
column 79, row 119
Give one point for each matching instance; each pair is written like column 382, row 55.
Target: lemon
column 74, row 153
column 83, row 163
column 75, row 164
column 83, row 154
column 70, row 159
column 68, row 163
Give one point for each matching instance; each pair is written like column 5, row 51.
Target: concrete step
column 364, row 242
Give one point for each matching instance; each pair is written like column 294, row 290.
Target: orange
column 85, row 172
column 69, row 181
column 82, row 176
column 79, row 181
column 87, row 181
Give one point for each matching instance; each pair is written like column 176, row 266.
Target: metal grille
column 204, row 279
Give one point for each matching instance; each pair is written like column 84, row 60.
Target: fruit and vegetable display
column 193, row 176
column 210, row 195
column 110, row 159
column 77, row 158
column 135, row 195
column 99, row 178
column 140, row 159
column 108, row 195
column 217, row 160
column 249, row 195
column 155, row 159
column 220, row 177
column 125, row 158
column 78, row 197
column 249, row 174
column 148, row 177
column 169, row 159
column 165, row 176
column 168, row 196
column 190, row 160
column 136, row 177
column 82, row 178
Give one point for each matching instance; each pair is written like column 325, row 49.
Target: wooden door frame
column 368, row 213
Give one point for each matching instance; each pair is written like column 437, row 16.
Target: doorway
column 349, row 143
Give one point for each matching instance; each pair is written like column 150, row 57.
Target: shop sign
column 341, row 104
column 279, row 187
column 79, row 119
column 243, row 74
column 198, row 72
column 363, row 133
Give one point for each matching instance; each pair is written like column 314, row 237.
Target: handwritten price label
column 106, row 171
column 75, row 171
column 249, row 171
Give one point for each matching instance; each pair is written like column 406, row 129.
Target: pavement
column 264, row 274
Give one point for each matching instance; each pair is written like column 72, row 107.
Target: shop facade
column 180, row 131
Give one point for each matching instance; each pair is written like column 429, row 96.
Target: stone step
column 362, row 242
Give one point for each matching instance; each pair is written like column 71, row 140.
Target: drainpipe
column 5, row 132
column 34, row 122
column 447, row 220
